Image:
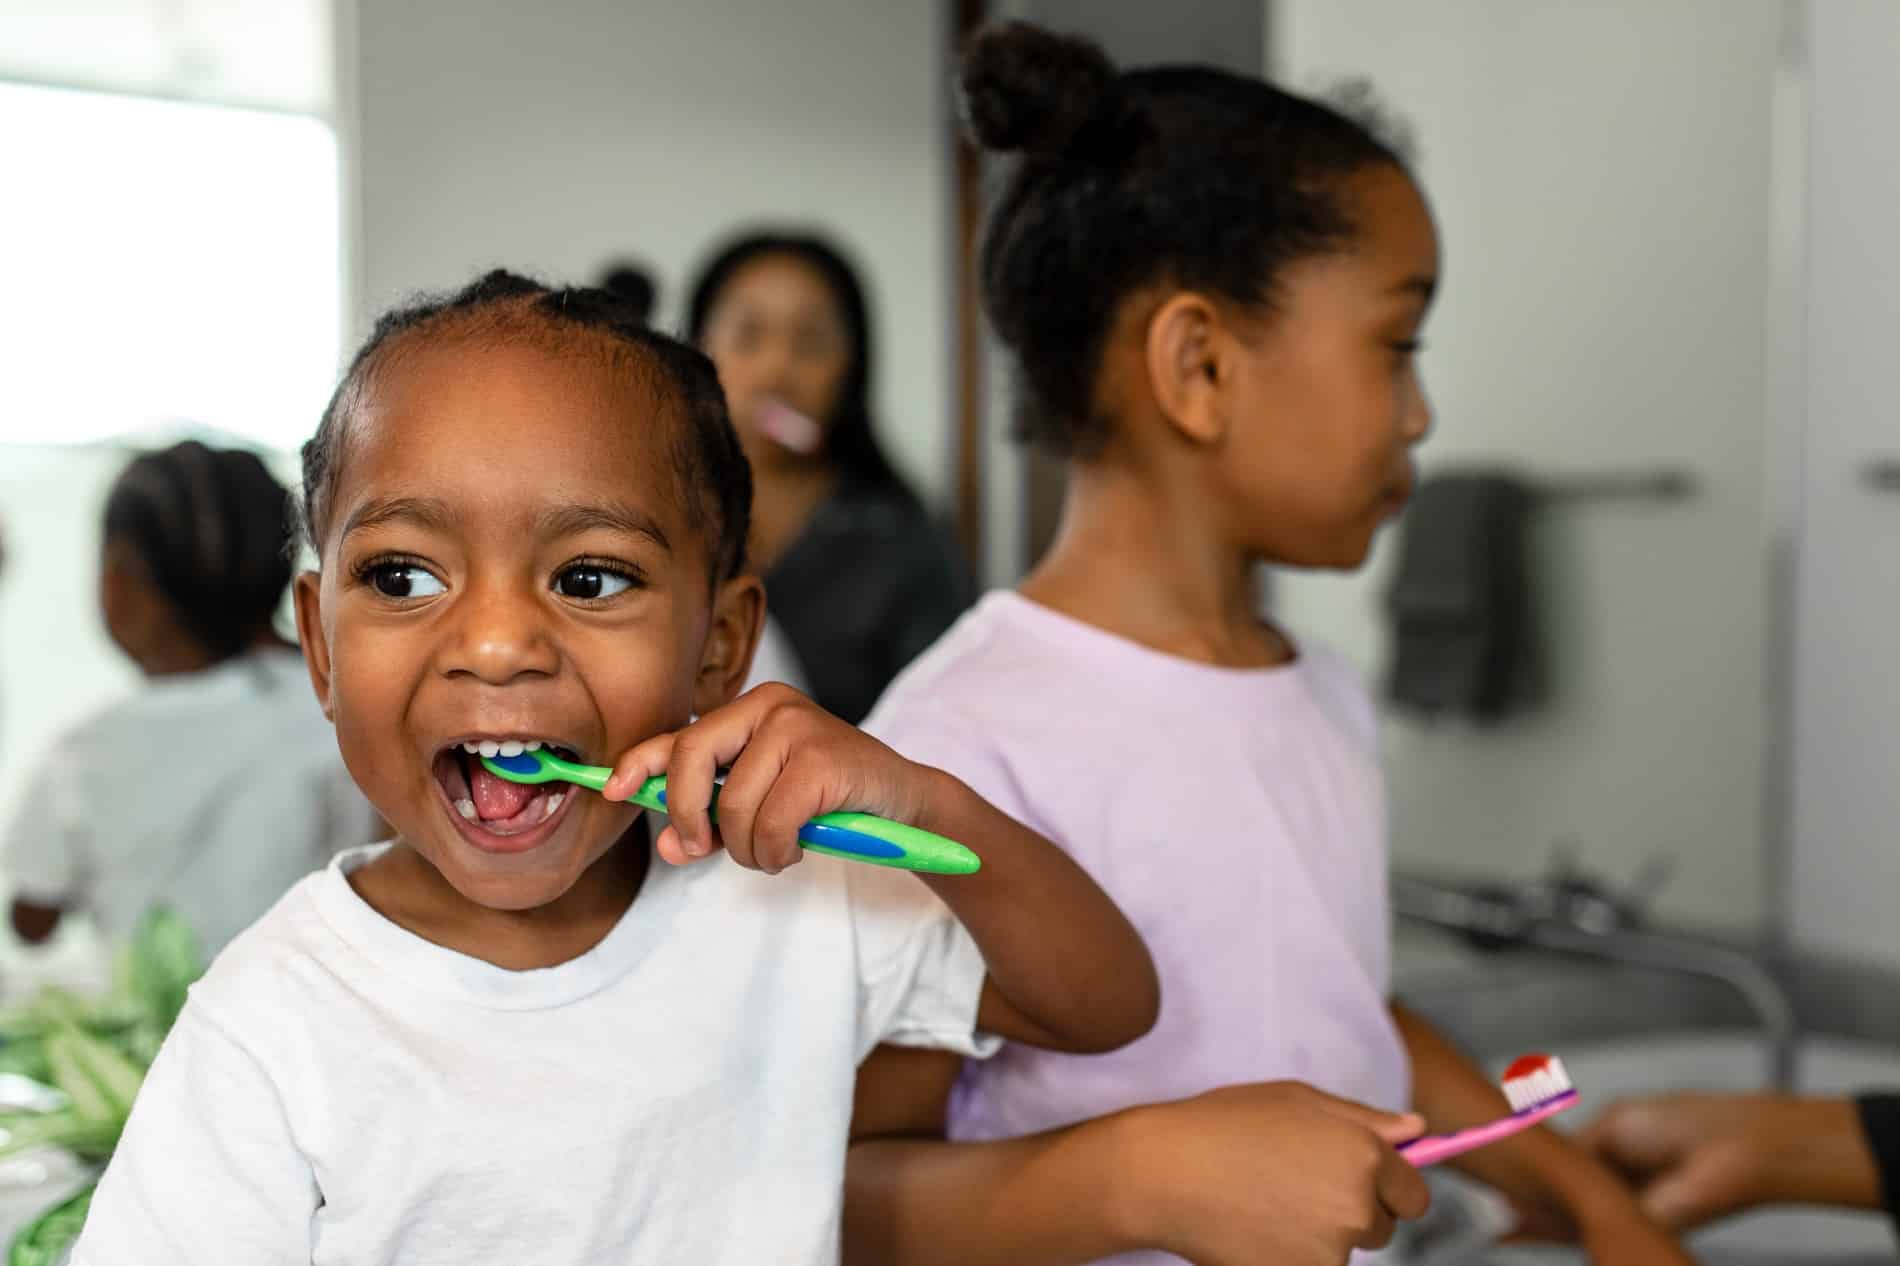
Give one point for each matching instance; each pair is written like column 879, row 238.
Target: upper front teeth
column 505, row 747
column 511, row 748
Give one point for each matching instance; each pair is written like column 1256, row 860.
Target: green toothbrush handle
column 863, row 837
column 858, row 837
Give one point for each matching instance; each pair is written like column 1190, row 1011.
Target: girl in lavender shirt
column 1215, row 291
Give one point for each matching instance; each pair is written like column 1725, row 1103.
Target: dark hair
column 850, row 438
column 209, row 526
column 634, row 284
column 1205, row 179
column 715, row 480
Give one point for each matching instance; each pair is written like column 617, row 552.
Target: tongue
column 497, row 799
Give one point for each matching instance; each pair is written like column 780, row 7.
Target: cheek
column 736, row 374
column 814, row 388
column 642, row 685
column 373, row 676
column 1356, row 418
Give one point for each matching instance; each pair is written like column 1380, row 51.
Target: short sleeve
column 920, row 974
column 206, row 1170
column 46, row 848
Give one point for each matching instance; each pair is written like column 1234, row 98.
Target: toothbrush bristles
column 1537, row 1086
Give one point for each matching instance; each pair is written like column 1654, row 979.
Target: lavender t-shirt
column 1238, row 816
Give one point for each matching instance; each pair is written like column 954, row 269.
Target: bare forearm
column 1045, row 1200
column 1028, row 897
column 1818, row 1154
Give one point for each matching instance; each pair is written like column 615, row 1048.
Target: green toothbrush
column 858, row 837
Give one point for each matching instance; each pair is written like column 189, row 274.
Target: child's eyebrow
column 427, row 512
column 627, row 520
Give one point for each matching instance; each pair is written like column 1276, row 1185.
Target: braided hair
column 705, row 455
column 209, row 526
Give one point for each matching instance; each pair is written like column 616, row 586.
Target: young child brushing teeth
column 508, row 1036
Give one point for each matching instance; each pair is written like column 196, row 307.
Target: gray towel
column 1460, row 601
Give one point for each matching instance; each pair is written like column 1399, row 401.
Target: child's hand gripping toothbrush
column 859, row 837
column 1537, row 1087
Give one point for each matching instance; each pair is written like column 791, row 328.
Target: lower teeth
column 466, row 807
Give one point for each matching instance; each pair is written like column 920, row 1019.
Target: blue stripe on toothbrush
column 838, row 840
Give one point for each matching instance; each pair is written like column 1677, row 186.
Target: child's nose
column 1416, row 423
column 499, row 637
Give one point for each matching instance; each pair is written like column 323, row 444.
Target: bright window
column 164, row 266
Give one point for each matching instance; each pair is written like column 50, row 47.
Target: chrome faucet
column 1567, row 912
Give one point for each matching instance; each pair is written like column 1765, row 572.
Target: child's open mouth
column 491, row 812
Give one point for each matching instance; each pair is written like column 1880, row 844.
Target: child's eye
column 1408, row 346
column 403, row 580
column 591, row 582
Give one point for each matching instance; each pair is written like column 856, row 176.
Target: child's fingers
column 794, row 798
column 1397, row 1128
column 637, row 764
column 1393, row 1128
column 1402, row 1190
column 699, row 752
column 1377, row 1232
column 671, row 849
column 748, row 783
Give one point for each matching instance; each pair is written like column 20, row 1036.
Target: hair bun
column 1026, row 88
column 634, row 284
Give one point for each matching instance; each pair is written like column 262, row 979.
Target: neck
column 1150, row 561
column 409, row 892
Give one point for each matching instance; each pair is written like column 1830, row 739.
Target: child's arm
column 1277, row 1173
column 1553, row 1179
column 206, row 1170
column 1065, row 968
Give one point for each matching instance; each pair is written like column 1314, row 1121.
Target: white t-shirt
column 340, row 1091
column 1237, row 816
column 210, row 792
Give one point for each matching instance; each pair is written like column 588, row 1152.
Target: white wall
column 548, row 137
column 1601, row 176
column 1845, row 870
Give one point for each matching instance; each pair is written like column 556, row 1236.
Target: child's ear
column 1184, row 365
column 738, row 617
column 307, row 595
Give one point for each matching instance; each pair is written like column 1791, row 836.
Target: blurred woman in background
column 857, row 575
column 162, row 799
column 773, row 660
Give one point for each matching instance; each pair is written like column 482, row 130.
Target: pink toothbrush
column 1537, row 1087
